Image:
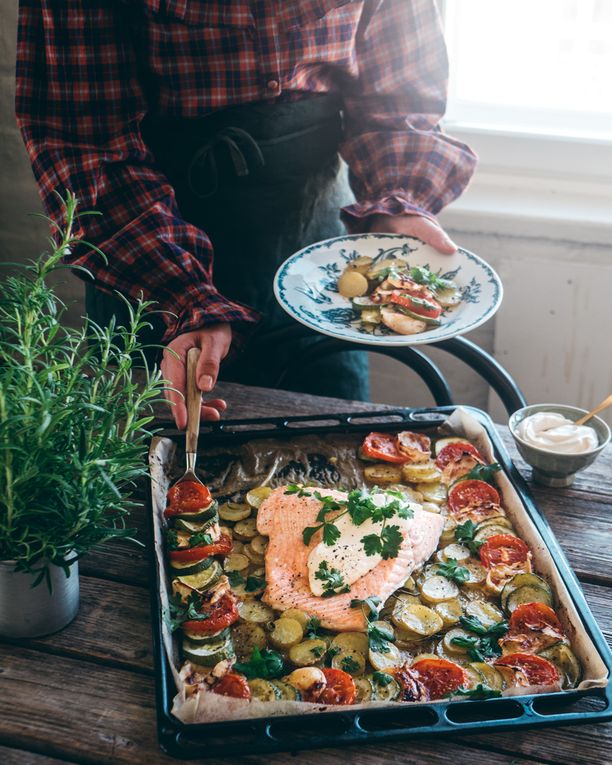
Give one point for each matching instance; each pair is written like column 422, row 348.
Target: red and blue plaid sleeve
column 79, row 106
column 399, row 160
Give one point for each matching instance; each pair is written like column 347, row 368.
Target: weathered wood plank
column 113, row 626
column 21, row 757
column 93, row 714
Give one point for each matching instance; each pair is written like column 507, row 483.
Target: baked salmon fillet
column 283, row 517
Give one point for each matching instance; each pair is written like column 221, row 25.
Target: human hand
column 214, row 343
column 427, row 230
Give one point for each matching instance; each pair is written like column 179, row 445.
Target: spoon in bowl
column 599, row 408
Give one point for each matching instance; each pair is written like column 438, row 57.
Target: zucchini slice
column 234, row 511
column 236, row 561
column 566, row 662
column 197, row 638
column 520, row 580
column 187, row 569
column 264, row 690
column 387, row 692
column 195, row 526
column 208, row 654
column 527, row 594
column 493, row 530
column 205, row 514
column 247, row 636
column 495, row 520
column 429, row 320
column 491, row 677
column 287, row 691
column 203, row 580
column 364, row 303
column 365, row 689
column 450, row 647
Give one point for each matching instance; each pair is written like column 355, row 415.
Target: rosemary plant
column 73, row 420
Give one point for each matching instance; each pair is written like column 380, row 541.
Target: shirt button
column 273, row 85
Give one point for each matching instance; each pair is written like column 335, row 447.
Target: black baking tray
column 295, row 732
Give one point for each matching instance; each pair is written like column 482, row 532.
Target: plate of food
column 387, row 289
column 356, row 570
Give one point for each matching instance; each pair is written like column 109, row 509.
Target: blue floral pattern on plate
column 305, row 286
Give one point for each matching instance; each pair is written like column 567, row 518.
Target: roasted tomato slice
column 411, row 688
column 220, row 615
column 416, row 447
column 427, row 307
column 439, row 676
column 187, row 497
column 340, row 688
column 527, row 669
column 503, row 549
column 382, row 446
column 455, row 451
column 233, row 685
column 535, row 616
column 193, row 554
column 471, row 493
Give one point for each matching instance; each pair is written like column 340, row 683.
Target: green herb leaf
column 264, row 664
column 172, row 540
column 423, row 275
column 378, row 638
column 391, row 540
column 348, row 664
column 382, row 678
column 371, row 605
column 331, row 534
column 297, row 489
column 479, row 692
column 482, row 473
column 333, row 581
column 254, row 583
column 312, row 627
column 464, row 534
column 235, row 578
column 473, row 647
column 200, row 539
column 453, row 571
column 182, row 611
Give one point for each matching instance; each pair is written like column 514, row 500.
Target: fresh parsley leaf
column 349, row 664
column 235, row 578
column 312, row 627
column 422, row 275
column 331, row 534
column 382, row 678
column 266, row 664
column 308, row 533
column 473, row 647
column 486, row 644
column 297, row 489
column 379, row 639
column 391, row 540
column 201, row 538
column 317, row 651
column 479, row 692
column 482, row 473
column 182, row 611
column 254, row 583
column 332, row 651
column 372, row 544
column 453, row 571
column 172, row 540
column 473, row 624
column 333, row 582
column 464, row 534
column 371, row 603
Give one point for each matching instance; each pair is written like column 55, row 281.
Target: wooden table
column 85, row 695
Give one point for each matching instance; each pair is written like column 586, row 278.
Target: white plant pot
column 26, row 611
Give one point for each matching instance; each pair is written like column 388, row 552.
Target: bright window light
column 542, row 66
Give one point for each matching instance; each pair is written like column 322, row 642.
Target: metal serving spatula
column 194, row 404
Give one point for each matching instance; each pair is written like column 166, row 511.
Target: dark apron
column 263, row 180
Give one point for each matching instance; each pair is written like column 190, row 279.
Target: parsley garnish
column 349, row 664
column 264, row 664
column 312, row 626
column 479, row 692
column 486, row 644
column 386, row 544
column 199, row 539
column 422, row 275
column 333, row 582
column 382, row 678
column 372, row 604
column 254, row 583
column 453, row 571
column 183, row 611
column 379, row 638
column 172, row 540
column 317, row 651
column 482, row 473
column 298, row 489
column 464, row 534
column 235, row 578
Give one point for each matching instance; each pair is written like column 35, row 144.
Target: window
column 531, row 66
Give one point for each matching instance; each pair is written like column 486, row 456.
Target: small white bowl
column 552, row 468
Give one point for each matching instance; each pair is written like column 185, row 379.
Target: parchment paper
column 329, row 461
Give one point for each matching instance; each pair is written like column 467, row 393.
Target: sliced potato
column 246, row 530
column 410, row 585
column 286, row 632
column 418, row 619
column 264, row 690
column 457, row 552
column 436, row 589
column 486, row 613
column 352, row 284
column 236, row 562
column 387, row 659
column 566, row 662
column 433, row 492
column 352, row 641
column 449, row 611
column 447, row 536
column 353, row 662
column 477, row 572
column 421, row 656
column 255, row 611
column 253, row 555
column 361, row 264
column 297, row 614
column 259, row 545
column 422, row 472
column 233, row 511
column 307, row 652
column 247, row 636
column 449, row 297
column 371, row 316
column 256, row 496
column 382, row 475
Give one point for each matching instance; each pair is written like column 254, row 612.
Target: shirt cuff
column 356, row 216
column 202, row 306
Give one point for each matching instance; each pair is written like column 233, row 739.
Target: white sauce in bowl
column 555, row 433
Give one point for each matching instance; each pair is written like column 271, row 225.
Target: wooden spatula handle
column 194, row 401
column 599, row 408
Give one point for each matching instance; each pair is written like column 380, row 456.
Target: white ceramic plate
column 305, row 286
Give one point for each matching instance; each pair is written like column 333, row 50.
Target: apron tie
column 242, row 149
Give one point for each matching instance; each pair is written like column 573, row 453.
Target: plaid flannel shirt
column 81, row 96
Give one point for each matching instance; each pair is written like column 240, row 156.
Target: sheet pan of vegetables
column 357, row 569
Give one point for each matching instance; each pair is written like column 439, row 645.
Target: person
column 198, row 127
